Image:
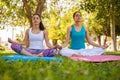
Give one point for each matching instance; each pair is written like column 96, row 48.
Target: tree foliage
column 11, row 13
column 59, row 19
column 19, row 12
column 107, row 15
column 102, row 7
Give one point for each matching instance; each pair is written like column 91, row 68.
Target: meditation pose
column 76, row 35
column 35, row 35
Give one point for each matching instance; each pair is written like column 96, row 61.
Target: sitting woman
column 76, row 34
column 35, row 35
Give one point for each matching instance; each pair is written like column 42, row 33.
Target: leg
column 92, row 52
column 19, row 49
column 47, row 53
column 68, row 52
column 24, row 52
column 75, row 55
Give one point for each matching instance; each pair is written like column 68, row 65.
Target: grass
column 67, row 70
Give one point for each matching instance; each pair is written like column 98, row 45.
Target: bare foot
column 10, row 40
column 75, row 55
column 40, row 54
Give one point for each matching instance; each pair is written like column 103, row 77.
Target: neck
column 77, row 24
column 35, row 26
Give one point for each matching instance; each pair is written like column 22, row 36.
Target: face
column 77, row 17
column 36, row 19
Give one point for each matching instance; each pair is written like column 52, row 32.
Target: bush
column 2, row 48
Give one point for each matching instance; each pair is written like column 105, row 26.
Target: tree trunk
column 38, row 10
column 105, row 39
column 99, row 40
column 112, row 25
column 28, row 11
column 40, row 6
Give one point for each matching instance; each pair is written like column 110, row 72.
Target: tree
column 33, row 6
column 95, row 28
column 11, row 13
column 105, row 9
column 59, row 19
column 16, row 13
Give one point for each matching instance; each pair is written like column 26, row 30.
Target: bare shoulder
column 45, row 32
column 85, row 28
column 69, row 28
column 27, row 31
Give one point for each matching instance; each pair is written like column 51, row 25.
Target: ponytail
column 41, row 26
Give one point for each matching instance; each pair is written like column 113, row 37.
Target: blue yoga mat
column 18, row 57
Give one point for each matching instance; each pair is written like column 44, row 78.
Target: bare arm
column 47, row 40
column 67, row 37
column 26, row 38
column 25, row 41
column 90, row 41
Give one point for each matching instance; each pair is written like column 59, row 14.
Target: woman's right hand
column 59, row 47
column 10, row 40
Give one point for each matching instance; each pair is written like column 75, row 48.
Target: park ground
column 65, row 70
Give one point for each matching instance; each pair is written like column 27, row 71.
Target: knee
column 16, row 47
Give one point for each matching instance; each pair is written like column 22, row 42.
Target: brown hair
column 41, row 26
column 75, row 13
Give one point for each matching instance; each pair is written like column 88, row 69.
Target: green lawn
column 67, row 70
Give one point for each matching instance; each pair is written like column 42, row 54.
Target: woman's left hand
column 104, row 46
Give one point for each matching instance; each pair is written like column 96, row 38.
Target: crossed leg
column 18, row 48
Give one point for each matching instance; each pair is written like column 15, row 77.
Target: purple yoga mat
column 100, row 58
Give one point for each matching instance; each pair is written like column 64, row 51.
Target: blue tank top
column 77, row 38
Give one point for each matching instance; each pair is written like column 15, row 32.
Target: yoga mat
column 18, row 57
column 99, row 58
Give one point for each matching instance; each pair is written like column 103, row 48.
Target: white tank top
column 36, row 40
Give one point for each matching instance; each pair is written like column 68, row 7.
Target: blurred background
column 101, row 17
